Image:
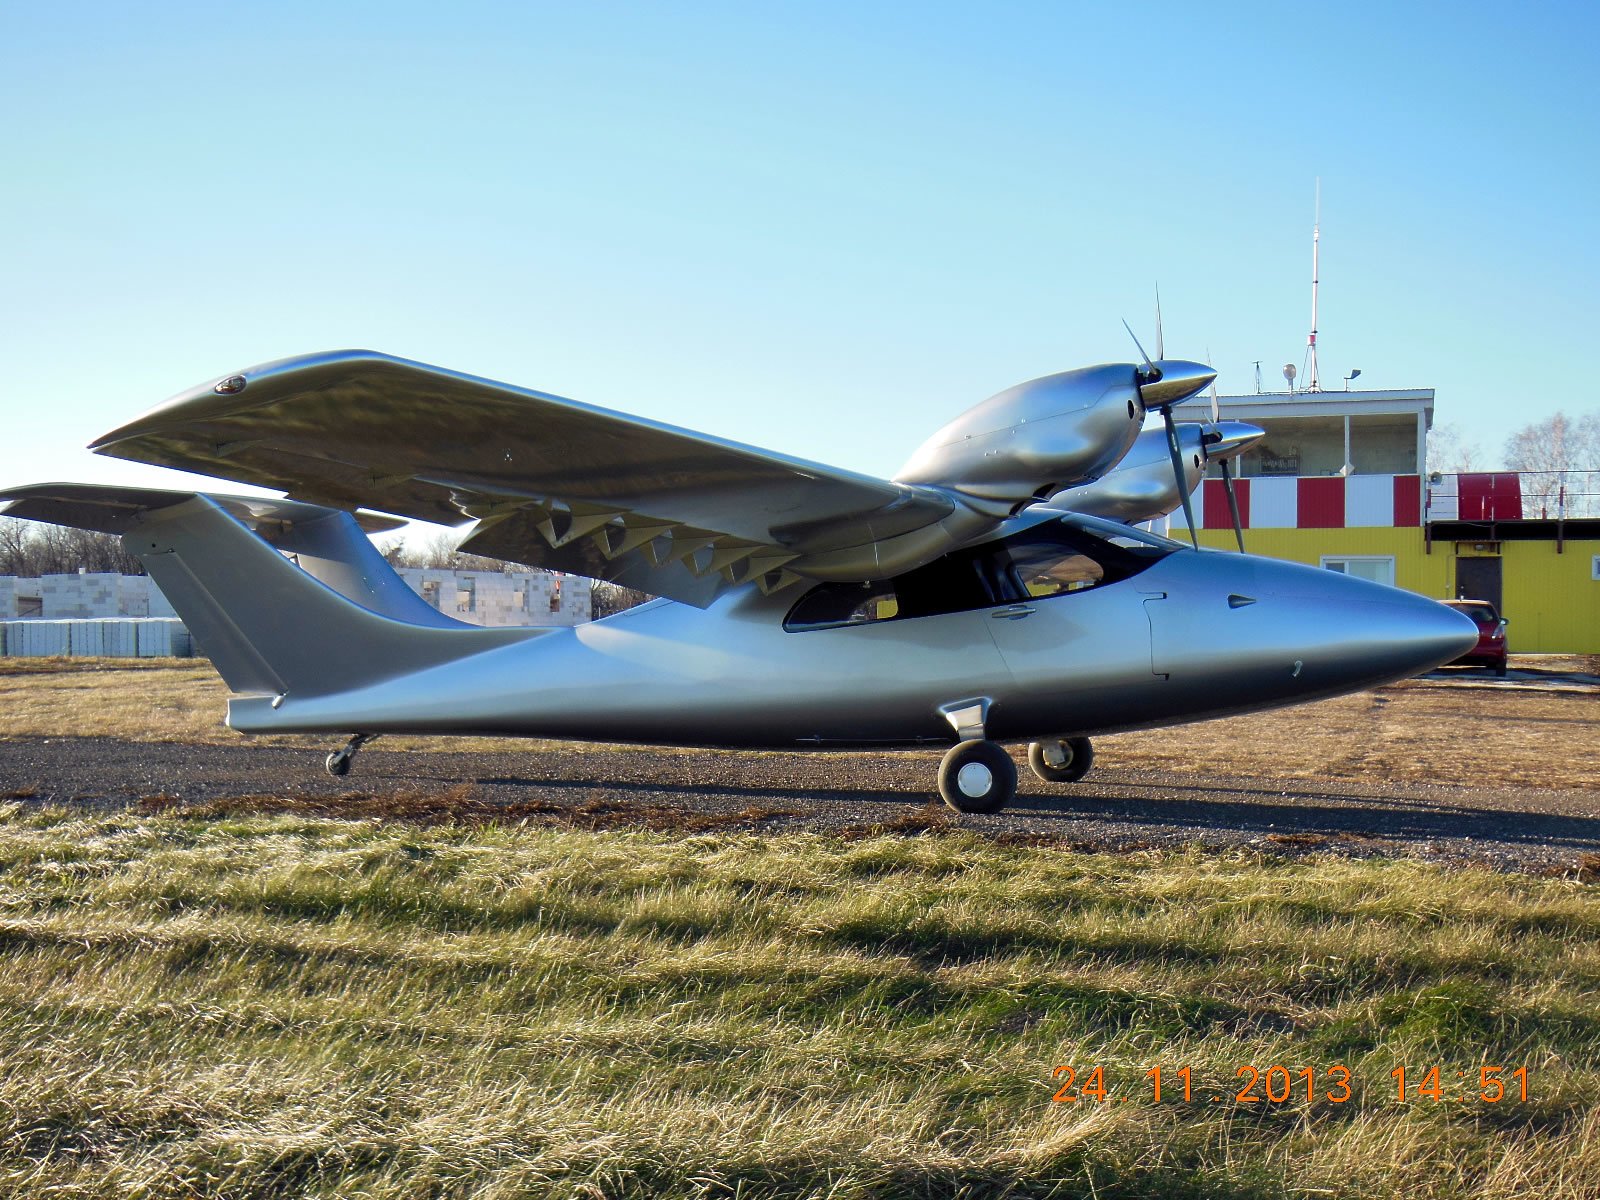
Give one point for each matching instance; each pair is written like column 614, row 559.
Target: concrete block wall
column 138, row 596
column 96, row 594
column 496, row 598
column 36, row 639
column 101, row 637
column 112, row 615
column 85, row 596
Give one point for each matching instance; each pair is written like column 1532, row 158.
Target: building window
column 1374, row 567
column 555, row 593
column 430, row 591
column 467, row 594
column 1594, row 568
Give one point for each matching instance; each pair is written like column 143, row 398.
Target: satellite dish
column 1289, row 373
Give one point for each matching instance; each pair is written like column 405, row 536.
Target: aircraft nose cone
column 1440, row 634
column 1228, row 439
column 1415, row 635
column 1177, row 379
column 1351, row 632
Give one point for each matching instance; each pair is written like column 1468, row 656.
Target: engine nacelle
column 1143, row 487
column 1036, row 438
column 1039, row 437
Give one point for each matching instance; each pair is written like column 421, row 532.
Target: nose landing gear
column 1061, row 760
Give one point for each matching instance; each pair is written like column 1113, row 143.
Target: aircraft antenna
column 1258, row 377
column 1313, row 383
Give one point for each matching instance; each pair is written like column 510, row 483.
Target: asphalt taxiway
column 1547, row 830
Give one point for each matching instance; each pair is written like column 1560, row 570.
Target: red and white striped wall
column 1331, row 502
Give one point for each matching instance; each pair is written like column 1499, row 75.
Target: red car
column 1491, row 648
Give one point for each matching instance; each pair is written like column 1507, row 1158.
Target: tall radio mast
column 1314, row 384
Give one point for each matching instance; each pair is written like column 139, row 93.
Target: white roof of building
column 1387, row 402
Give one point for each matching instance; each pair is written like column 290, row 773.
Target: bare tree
column 1560, row 459
column 606, row 599
column 31, row 549
column 1451, row 453
column 13, row 545
column 438, row 551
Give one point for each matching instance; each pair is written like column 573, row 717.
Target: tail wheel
column 977, row 777
column 338, row 763
column 1061, row 760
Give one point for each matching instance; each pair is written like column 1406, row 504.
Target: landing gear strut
column 977, row 777
column 1061, row 760
column 338, row 763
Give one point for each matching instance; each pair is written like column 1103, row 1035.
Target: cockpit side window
column 1055, row 558
column 831, row 605
column 957, row 582
column 1050, row 559
column 1052, row 570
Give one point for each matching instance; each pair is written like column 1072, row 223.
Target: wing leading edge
column 551, row 482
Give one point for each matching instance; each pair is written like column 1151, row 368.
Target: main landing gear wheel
column 977, row 777
column 1061, row 760
column 338, row 763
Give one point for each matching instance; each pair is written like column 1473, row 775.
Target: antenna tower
column 1313, row 383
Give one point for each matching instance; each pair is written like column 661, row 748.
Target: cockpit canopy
column 1052, row 557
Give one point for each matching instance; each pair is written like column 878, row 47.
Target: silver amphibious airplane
column 802, row 606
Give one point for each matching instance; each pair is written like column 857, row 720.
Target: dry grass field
column 236, row 1005
column 1419, row 730
column 246, row 999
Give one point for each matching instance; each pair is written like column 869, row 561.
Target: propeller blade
column 1177, row 471
column 1149, row 366
column 1215, row 414
column 1233, row 504
column 1161, row 345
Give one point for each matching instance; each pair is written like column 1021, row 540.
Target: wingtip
column 226, row 393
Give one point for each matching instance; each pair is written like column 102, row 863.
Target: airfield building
column 1342, row 481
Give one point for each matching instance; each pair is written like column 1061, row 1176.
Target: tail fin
column 336, row 618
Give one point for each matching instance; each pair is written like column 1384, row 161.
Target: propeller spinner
column 1162, row 384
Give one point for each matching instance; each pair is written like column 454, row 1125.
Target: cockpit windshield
column 1124, row 535
column 1057, row 557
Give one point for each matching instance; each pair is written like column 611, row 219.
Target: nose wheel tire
column 977, row 777
column 1061, row 760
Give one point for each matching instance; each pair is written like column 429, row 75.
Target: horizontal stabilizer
column 110, row 509
column 303, row 604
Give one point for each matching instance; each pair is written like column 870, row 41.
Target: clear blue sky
column 823, row 228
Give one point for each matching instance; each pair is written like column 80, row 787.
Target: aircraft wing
column 552, row 482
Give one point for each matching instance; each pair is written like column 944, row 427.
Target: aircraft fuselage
column 1190, row 635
